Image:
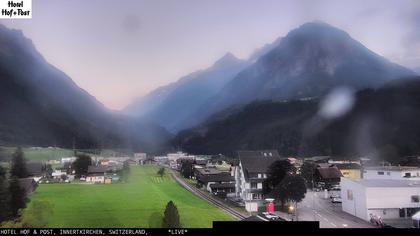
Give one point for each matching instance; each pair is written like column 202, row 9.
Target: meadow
column 37, row 154
column 138, row 203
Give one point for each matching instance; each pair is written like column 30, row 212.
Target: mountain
column 170, row 105
column 40, row 105
column 381, row 123
column 308, row 62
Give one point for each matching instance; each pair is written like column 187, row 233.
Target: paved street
column 316, row 208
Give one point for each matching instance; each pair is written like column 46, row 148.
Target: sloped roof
column 329, row 172
column 221, row 177
column 97, row 169
column 258, row 161
column 223, row 185
column 208, row 171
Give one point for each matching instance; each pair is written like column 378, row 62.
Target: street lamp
column 291, row 210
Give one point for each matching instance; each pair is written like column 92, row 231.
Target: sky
column 118, row 50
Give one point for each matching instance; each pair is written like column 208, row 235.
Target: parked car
column 336, row 200
column 270, row 216
column 334, row 196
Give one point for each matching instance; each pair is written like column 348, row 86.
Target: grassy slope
column 138, row 203
column 42, row 154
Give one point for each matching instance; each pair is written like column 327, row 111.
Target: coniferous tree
column 17, row 199
column 187, row 168
column 18, row 168
column 4, row 195
column 171, row 216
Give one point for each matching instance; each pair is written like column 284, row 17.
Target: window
column 407, row 175
column 349, row 194
column 415, row 198
column 381, row 173
column 253, row 185
column 259, row 175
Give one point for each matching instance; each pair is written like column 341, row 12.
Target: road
column 316, row 208
column 235, row 214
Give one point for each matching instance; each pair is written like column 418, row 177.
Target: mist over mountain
column 308, row 62
column 382, row 123
column 40, row 105
column 170, row 105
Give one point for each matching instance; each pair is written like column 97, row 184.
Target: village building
column 250, row 174
column 384, row 198
column 328, row 174
column 350, row 170
column 96, row 174
column 140, row 158
column 215, row 181
column 392, row 172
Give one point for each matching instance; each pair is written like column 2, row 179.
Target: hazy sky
column 120, row 49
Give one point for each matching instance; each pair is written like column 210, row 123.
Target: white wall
column 382, row 201
column 357, row 205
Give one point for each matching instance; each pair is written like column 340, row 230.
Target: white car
column 336, row 200
column 270, row 216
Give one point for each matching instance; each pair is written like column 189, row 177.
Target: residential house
column 96, row 174
column 250, row 174
column 350, row 170
column 140, row 158
column 215, row 181
column 327, row 173
column 67, row 160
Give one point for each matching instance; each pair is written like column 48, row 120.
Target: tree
column 18, row 168
column 171, row 216
column 161, row 171
column 17, row 198
column 81, row 164
column 295, row 187
column 291, row 188
column 4, row 196
column 277, row 171
column 307, row 171
column 186, row 168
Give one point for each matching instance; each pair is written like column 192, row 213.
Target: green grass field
column 38, row 154
column 138, row 203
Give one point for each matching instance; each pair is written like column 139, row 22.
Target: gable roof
column 208, row 171
column 329, row 171
column 258, row 161
column 221, row 177
column 97, row 169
